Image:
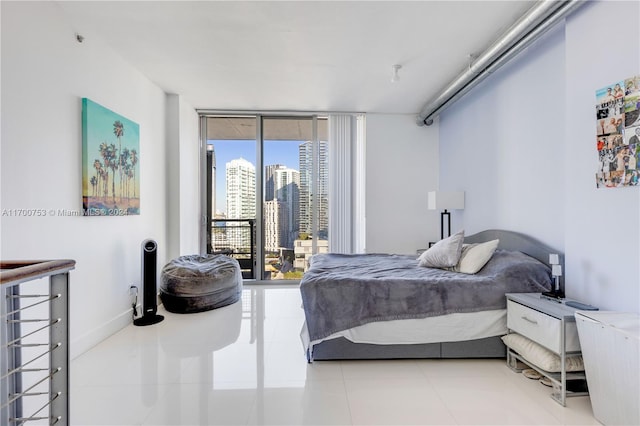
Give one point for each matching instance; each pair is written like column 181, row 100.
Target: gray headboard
column 515, row 241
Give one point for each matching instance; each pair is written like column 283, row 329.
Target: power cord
column 133, row 291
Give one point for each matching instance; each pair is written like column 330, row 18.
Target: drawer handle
column 530, row 320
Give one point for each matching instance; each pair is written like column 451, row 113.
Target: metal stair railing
column 23, row 377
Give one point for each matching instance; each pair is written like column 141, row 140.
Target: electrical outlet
column 133, row 295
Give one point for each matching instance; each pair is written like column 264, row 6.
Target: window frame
column 260, row 238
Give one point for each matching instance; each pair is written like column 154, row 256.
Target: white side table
column 551, row 324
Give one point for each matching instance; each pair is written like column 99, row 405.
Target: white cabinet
column 551, row 324
column 611, row 351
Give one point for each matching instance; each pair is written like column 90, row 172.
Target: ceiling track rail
column 530, row 27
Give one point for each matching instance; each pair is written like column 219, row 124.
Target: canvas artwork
column 618, row 134
column 110, row 162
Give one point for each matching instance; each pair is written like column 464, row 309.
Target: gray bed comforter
column 342, row 291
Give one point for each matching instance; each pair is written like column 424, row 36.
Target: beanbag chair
column 196, row 283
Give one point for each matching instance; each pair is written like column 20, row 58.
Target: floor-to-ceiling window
column 266, row 199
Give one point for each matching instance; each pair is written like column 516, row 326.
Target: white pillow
column 540, row 356
column 443, row 254
column 475, row 256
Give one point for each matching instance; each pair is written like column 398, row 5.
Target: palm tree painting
column 110, row 162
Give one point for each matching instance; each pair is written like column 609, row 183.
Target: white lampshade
column 554, row 259
column 556, row 270
column 445, row 200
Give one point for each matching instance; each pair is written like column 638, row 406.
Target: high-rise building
column 275, row 215
column 241, row 202
column 269, row 189
column 321, row 197
column 283, row 184
column 241, row 189
column 287, row 191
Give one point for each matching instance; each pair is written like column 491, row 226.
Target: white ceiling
column 299, row 55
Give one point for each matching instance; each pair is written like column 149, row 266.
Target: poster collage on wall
column 618, row 134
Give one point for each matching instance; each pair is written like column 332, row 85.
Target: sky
column 275, row 152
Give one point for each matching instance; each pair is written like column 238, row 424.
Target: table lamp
column 445, row 200
column 556, row 272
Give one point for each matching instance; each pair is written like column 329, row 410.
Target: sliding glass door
column 231, row 189
column 266, row 198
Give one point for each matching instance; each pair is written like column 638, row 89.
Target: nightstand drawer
column 539, row 327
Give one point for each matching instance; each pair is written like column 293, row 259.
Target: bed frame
column 491, row 347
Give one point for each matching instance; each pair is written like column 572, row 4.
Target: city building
column 287, row 191
column 241, row 202
column 283, row 184
column 275, row 221
column 269, row 189
column 241, row 189
column 306, row 154
column 303, row 250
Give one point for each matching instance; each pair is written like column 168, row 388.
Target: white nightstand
column 551, row 324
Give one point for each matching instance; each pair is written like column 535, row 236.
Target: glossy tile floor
column 244, row 365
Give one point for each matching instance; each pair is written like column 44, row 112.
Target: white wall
column 602, row 236
column 401, row 167
column 503, row 145
column 190, row 206
column 523, row 146
column 45, row 73
column 173, row 167
column 183, row 182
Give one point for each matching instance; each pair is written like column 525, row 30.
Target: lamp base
column 442, row 215
column 555, row 295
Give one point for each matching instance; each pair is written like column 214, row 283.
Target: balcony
column 235, row 238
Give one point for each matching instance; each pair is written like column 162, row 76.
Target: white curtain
column 346, row 183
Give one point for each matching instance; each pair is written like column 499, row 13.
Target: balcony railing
column 235, row 238
column 34, row 346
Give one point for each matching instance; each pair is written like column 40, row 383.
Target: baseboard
column 91, row 338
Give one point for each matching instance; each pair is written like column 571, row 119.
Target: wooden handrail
column 17, row 271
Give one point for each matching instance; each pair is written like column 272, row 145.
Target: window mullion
column 259, row 243
column 315, row 160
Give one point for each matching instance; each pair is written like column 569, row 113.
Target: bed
column 385, row 306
